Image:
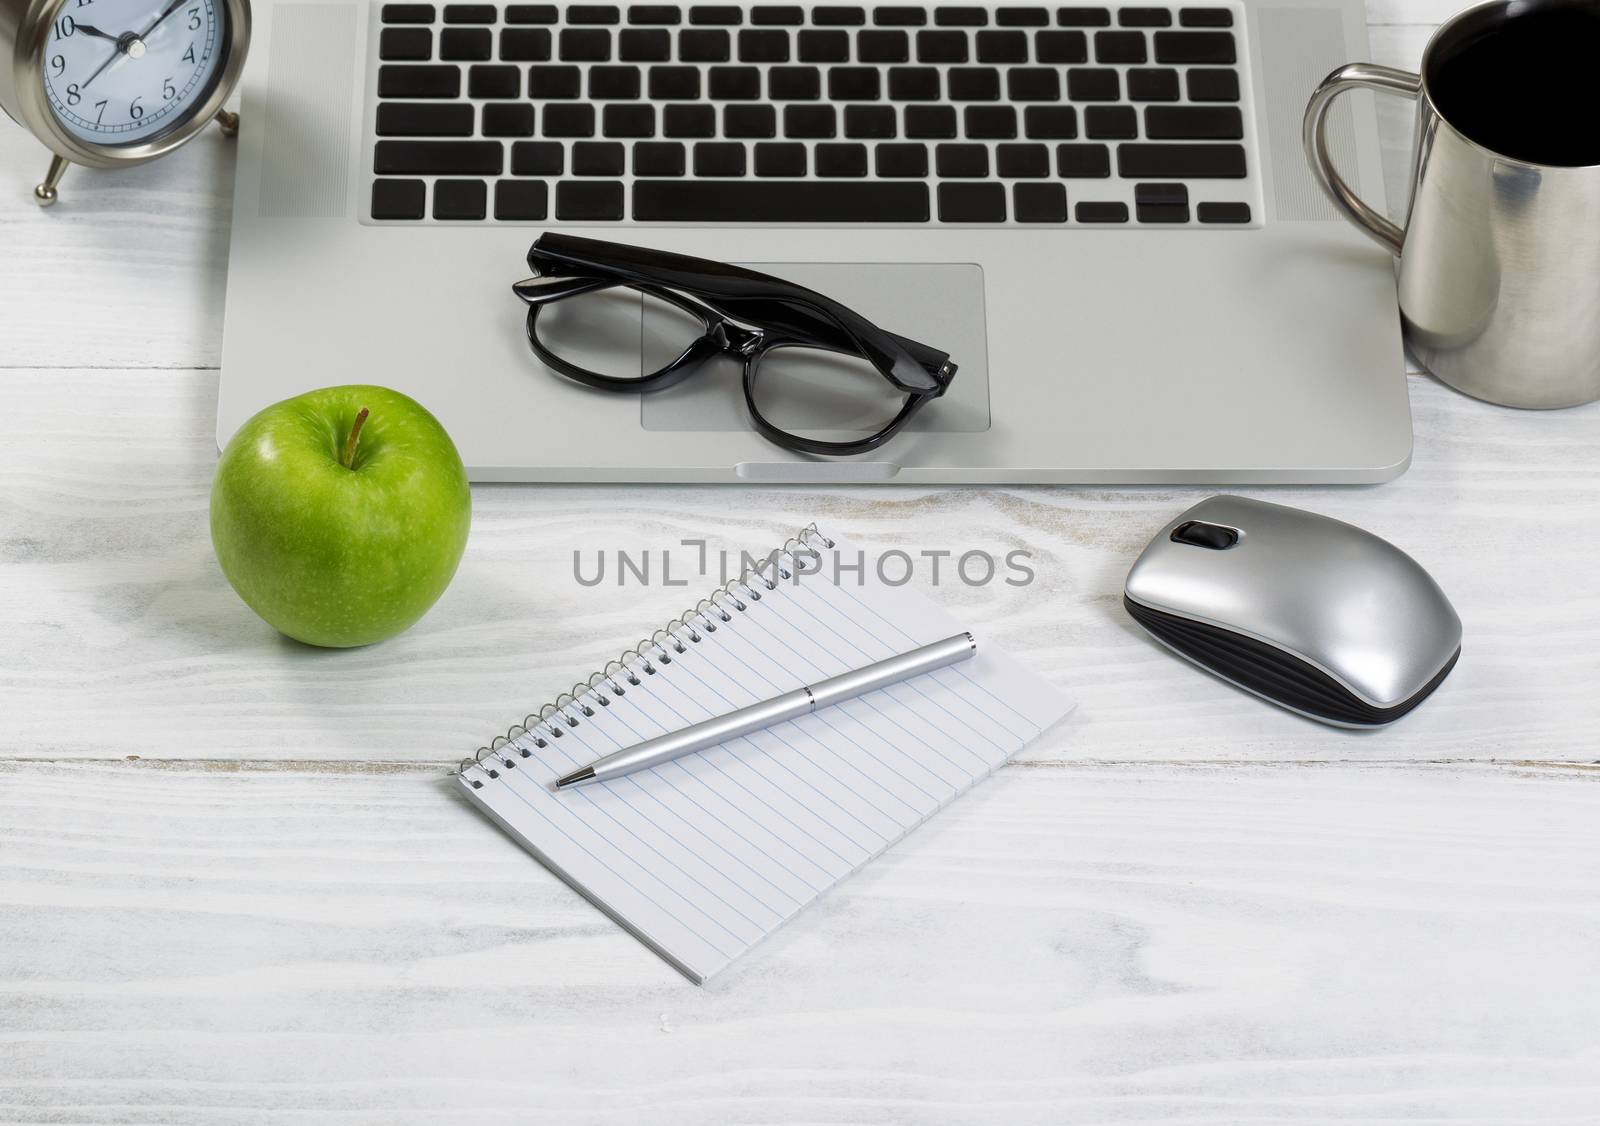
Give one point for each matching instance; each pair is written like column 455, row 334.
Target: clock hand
column 90, row 29
column 172, row 7
column 115, row 55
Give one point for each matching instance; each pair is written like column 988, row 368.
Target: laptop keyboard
column 773, row 114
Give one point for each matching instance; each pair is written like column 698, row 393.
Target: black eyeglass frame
column 744, row 313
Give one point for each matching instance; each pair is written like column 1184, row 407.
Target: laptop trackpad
column 939, row 304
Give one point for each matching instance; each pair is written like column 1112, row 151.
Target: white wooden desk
column 234, row 887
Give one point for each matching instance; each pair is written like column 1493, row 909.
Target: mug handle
column 1352, row 76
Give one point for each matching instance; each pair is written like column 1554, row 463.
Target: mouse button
column 1200, row 533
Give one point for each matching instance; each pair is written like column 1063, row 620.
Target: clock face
column 122, row 72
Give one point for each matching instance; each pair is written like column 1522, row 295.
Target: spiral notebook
column 703, row 857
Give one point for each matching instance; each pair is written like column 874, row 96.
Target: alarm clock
column 106, row 83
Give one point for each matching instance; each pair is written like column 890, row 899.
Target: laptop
column 1102, row 213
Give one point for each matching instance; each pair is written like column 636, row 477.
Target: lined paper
column 703, row 857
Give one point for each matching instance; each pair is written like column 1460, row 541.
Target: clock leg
column 228, row 123
column 44, row 193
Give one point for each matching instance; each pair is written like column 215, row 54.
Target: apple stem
column 349, row 459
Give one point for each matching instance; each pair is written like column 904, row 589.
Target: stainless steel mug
column 1500, row 253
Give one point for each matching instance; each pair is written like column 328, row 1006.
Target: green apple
column 340, row 515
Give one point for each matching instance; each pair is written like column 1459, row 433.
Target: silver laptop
column 1100, row 211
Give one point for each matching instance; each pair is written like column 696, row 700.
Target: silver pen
column 779, row 709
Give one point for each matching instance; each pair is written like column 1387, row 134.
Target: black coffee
column 1527, row 86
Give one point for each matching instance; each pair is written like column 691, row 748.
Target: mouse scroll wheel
column 1200, row 534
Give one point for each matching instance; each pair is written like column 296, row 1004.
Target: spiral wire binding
column 688, row 628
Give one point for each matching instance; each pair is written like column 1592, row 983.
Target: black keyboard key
column 1223, row 212
column 597, row 158
column 589, row 199
column 1050, row 123
column 735, row 83
column 655, row 15
column 644, row 45
column 717, row 15
column 777, row 15
column 1101, row 212
column 405, row 44
column 531, row 14
column 972, row 203
column 961, row 17
column 408, row 13
column 1193, row 123
column 1207, row 85
column 1083, row 17
column 398, row 199
column 628, row 120
column 424, row 119
column 658, row 158
column 1002, row 47
column 1093, row 84
column 913, row 84
column 460, row 199
column 1110, row 123
column 614, row 83
column 538, row 158
column 1152, row 84
column 780, row 159
column 521, row 200
column 974, row 84
column 809, row 122
column 470, row 13
column 466, row 44
column 1039, row 203
column 794, row 83
column 1205, row 17
column 567, row 119
column 1119, row 47
column 1062, row 46
column 1022, row 162
column 761, row 46
column 1083, row 162
column 872, row 123
column 549, row 82
column 412, row 81
column 930, row 123
column 840, row 160
column 854, row 83
column 524, row 44
column 837, row 16
column 1195, row 47
column 991, row 123
column 750, row 122
column 969, row 161
column 902, row 161
column 1161, row 203
column 883, row 47
column 900, row 17
column 585, row 44
column 674, row 83
column 494, row 82
column 1034, row 84
column 824, row 46
column 1021, row 17
column 508, row 119
column 466, row 158
column 941, row 46
column 593, row 14
column 704, row 46
column 781, row 201
column 689, row 121
column 719, row 158
column 1144, row 17
column 1180, row 162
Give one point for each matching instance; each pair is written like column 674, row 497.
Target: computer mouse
column 1311, row 613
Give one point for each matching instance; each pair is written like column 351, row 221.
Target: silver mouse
column 1308, row 612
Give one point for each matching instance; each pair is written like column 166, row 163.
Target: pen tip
column 575, row 777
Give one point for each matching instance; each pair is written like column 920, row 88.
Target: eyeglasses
column 627, row 318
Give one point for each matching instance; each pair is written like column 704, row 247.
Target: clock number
column 65, row 27
column 188, row 56
column 101, row 107
column 168, row 90
column 194, row 19
column 84, row 3
column 74, row 95
column 135, row 110
column 58, row 64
